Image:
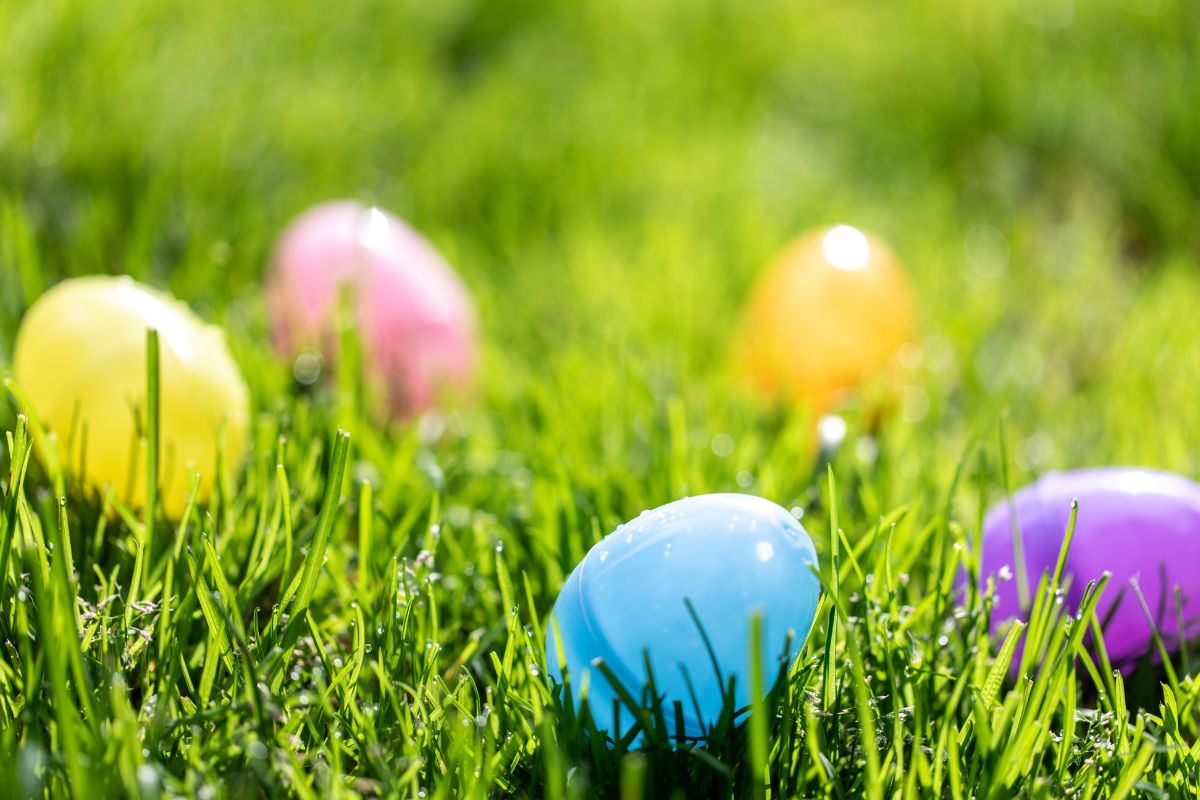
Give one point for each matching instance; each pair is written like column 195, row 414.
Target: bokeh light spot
column 846, row 248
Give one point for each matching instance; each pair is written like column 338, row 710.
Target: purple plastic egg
column 1140, row 525
column 413, row 313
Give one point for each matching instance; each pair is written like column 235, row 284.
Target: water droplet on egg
column 765, row 551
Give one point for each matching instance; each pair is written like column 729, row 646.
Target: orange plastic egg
column 828, row 314
column 80, row 362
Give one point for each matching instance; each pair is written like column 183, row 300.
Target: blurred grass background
column 609, row 177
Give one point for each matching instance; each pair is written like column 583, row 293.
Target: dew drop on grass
column 307, row 368
column 722, row 445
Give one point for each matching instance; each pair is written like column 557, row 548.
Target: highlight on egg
column 413, row 314
column 1139, row 525
column 79, row 361
column 730, row 556
column 829, row 314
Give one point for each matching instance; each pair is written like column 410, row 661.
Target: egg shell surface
column 732, row 556
column 80, row 361
column 1137, row 524
column 413, row 313
column 829, row 313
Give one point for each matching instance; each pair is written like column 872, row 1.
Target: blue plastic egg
column 731, row 556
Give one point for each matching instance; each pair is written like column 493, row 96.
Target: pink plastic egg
column 414, row 316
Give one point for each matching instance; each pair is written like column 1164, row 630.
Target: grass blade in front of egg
column 757, row 722
column 153, row 439
column 829, row 665
column 150, row 442
column 1156, row 637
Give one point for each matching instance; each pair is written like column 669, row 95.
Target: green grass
column 365, row 612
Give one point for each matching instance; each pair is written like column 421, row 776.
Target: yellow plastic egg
column 80, row 362
column 829, row 313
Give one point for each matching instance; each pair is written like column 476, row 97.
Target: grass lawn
column 608, row 176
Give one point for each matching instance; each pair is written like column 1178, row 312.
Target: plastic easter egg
column 1137, row 524
column 80, row 362
column 731, row 556
column 414, row 316
column 827, row 315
